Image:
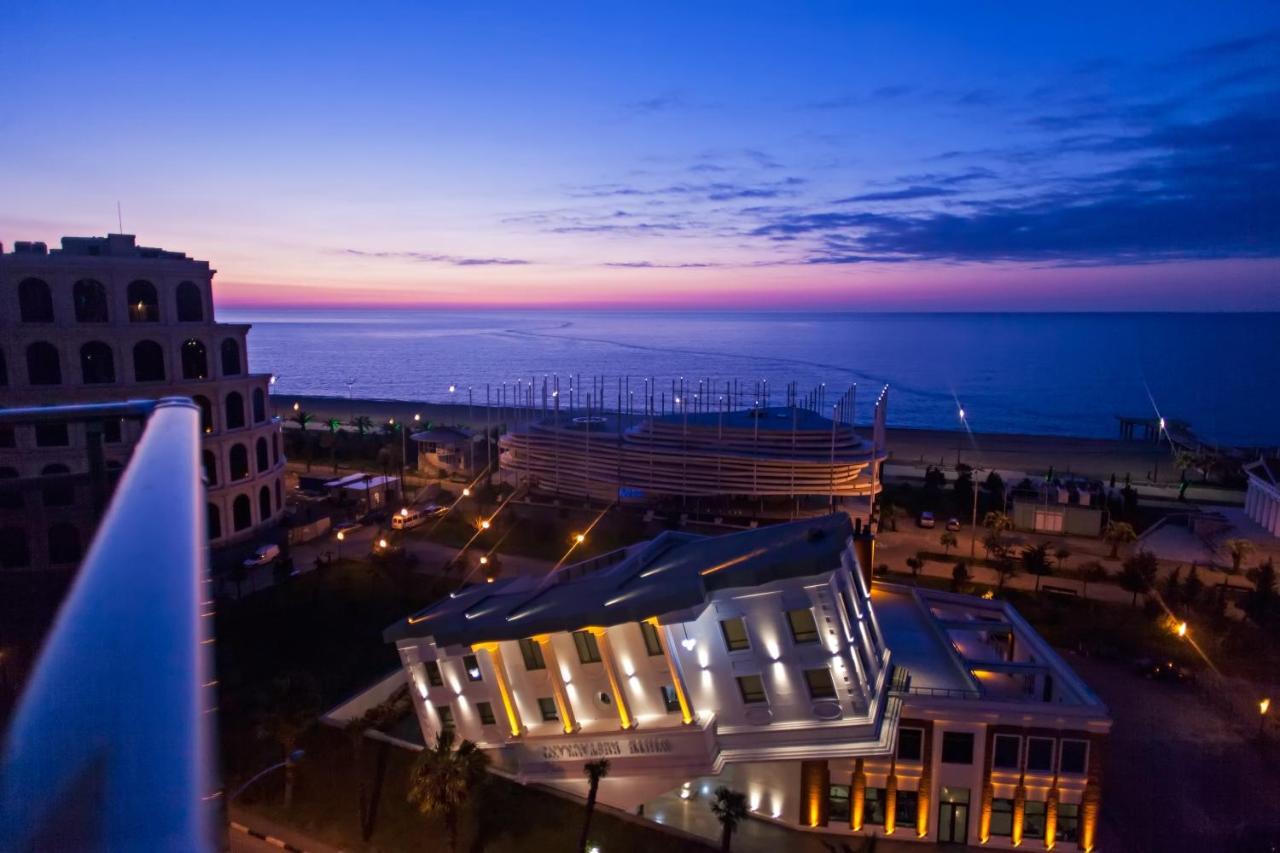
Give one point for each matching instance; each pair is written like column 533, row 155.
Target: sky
column 710, row 155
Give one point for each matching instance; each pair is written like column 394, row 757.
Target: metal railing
column 110, row 748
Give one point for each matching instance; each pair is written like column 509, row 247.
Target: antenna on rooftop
column 119, row 219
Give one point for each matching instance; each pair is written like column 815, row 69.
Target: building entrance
column 953, row 816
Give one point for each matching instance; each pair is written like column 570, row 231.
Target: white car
column 927, row 520
column 265, row 555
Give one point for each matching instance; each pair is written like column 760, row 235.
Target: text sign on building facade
column 607, row 748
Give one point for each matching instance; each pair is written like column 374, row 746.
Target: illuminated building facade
column 102, row 319
column 765, row 661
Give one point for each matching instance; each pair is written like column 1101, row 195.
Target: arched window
column 64, row 543
column 35, row 302
column 241, row 513
column 10, row 499
column 90, row 299
column 210, row 460
column 148, row 362
column 4, row 371
column 230, row 357
column 43, row 365
column 190, row 303
column 60, row 491
column 263, row 462
column 239, row 462
column 195, row 360
column 235, row 410
column 264, row 504
column 13, row 548
column 144, row 304
column 206, row 412
column 97, row 363
column 259, row 406
column 213, row 521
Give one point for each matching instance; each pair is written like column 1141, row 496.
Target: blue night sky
column 960, row 156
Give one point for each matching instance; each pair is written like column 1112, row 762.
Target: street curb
column 270, row 839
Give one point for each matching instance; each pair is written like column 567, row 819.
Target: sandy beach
column 1093, row 457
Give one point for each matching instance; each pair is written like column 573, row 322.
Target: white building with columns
column 764, row 660
column 1262, row 500
column 104, row 319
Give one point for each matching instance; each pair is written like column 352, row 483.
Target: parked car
column 265, row 555
column 346, row 528
column 926, row 520
column 953, row 524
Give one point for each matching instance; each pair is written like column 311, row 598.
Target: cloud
column 435, row 258
column 651, row 265
column 904, row 194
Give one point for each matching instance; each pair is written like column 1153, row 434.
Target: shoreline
column 1098, row 458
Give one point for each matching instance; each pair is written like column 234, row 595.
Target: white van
column 408, row 518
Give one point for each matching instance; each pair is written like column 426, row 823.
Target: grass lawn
column 504, row 818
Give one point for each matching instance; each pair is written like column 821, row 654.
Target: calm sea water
column 1066, row 374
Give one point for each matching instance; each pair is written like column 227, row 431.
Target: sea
column 1047, row 374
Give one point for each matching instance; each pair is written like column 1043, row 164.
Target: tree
column 286, row 711
column 959, row 576
column 963, row 487
column 1192, row 587
column 1091, row 572
column 997, row 522
column 948, row 540
column 888, row 514
column 994, row 544
column 1260, row 602
column 730, row 808
column 595, row 770
column 302, row 417
column 1005, row 567
column 362, row 425
column 915, row 564
column 1173, row 587
column 333, row 424
column 1062, row 553
column 1035, row 559
column 934, row 478
column 443, row 778
column 375, row 718
column 1138, row 573
column 994, row 487
column 1119, row 533
column 1239, row 550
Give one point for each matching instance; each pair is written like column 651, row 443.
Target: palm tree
column 959, row 576
column 302, row 418
column 1119, row 533
column 1062, row 553
column 730, row 808
column 443, row 778
column 288, row 710
column 1240, row 550
column 997, row 522
column 1005, row 568
column 948, row 540
column 362, row 424
column 356, row 728
column 1091, row 572
column 333, row 424
column 1138, row 574
column 1035, row 559
column 595, row 770
column 915, row 564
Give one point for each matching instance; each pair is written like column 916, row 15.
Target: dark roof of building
column 442, row 434
column 1266, row 469
column 674, row 572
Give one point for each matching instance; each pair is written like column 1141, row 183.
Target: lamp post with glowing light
column 341, row 536
column 960, row 437
column 1264, row 706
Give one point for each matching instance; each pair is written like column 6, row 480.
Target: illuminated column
column 858, row 795
column 1019, row 810
column 677, row 675
column 558, row 690
column 1089, row 804
column 924, row 795
column 1051, row 815
column 504, row 686
column 984, row 814
column 891, row 796
column 815, row 784
column 615, row 683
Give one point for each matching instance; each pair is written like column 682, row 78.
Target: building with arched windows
column 103, row 319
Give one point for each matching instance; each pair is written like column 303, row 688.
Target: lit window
column 652, row 643
column 485, row 710
column 1068, row 822
column 472, row 666
column 838, row 804
column 906, row 807
column 873, row 807
column 910, row 744
column 803, row 628
column 446, row 716
column 752, row 689
column 532, row 654
column 433, row 673
column 735, row 634
column 1074, row 757
column 821, row 685
column 957, row 748
column 1002, row 818
column 588, row 648
column 1033, row 818
column 1005, row 752
column 669, row 699
column 1040, row 754
column 547, row 706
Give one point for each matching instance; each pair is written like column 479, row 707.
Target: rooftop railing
column 110, row 746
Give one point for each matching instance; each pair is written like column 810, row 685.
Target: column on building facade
column 815, row 784
column 891, row 796
column 615, row 681
column 1051, row 814
column 1019, row 809
column 858, row 795
column 504, row 686
column 924, row 794
column 1091, row 801
column 988, row 792
column 558, row 690
column 677, row 674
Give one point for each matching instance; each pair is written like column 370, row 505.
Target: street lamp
column 1264, row 705
column 341, row 536
column 466, row 492
column 293, row 758
column 960, row 437
column 484, row 525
